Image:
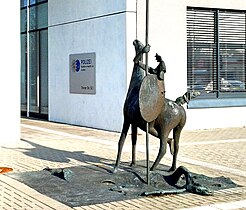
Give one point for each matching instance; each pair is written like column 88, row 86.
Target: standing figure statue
column 171, row 117
column 159, row 70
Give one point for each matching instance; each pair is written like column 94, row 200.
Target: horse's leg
column 152, row 129
column 170, row 142
column 134, row 142
column 162, row 151
column 176, row 136
column 121, row 143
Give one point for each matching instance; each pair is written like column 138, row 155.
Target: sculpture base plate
column 94, row 184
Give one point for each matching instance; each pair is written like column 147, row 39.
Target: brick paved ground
column 214, row 152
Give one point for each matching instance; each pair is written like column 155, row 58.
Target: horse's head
column 187, row 97
column 138, row 47
column 193, row 94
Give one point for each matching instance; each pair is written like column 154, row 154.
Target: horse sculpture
column 172, row 116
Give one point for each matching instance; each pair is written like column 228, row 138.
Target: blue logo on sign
column 76, row 65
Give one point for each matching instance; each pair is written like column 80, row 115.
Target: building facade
column 77, row 58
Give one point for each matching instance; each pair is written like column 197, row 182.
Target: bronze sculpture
column 171, row 117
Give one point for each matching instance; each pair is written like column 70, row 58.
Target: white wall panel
column 106, row 36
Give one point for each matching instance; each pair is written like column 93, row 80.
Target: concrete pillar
column 10, row 72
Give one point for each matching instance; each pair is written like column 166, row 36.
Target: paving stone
column 59, row 145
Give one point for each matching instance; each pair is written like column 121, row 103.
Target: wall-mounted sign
column 82, row 73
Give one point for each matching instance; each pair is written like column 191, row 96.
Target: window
column 216, row 53
column 34, row 58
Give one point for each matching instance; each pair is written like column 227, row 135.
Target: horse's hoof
column 115, row 170
column 172, row 169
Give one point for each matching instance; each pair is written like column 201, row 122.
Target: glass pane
column 200, row 26
column 232, row 72
column 201, row 51
column 23, row 72
column 201, row 73
column 38, row 16
column 232, row 27
column 39, row 1
column 23, row 20
column 44, row 71
column 32, row 2
column 23, row 3
column 33, row 88
column 232, row 51
column 36, row 1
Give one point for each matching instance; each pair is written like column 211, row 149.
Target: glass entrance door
column 34, row 58
column 38, row 73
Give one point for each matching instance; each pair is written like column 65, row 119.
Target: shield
column 151, row 97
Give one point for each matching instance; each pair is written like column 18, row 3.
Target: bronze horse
column 172, row 116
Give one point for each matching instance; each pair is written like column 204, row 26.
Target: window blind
column 215, row 51
column 232, row 51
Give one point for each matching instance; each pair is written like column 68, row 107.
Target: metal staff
column 146, row 72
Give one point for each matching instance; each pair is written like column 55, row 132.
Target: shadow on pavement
column 55, row 155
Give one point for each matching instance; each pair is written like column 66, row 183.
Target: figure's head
column 138, row 46
column 158, row 58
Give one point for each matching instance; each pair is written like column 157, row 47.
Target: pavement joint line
column 220, row 206
column 141, row 148
column 213, row 142
column 84, row 138
column 107, row 142
column 213, row 166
